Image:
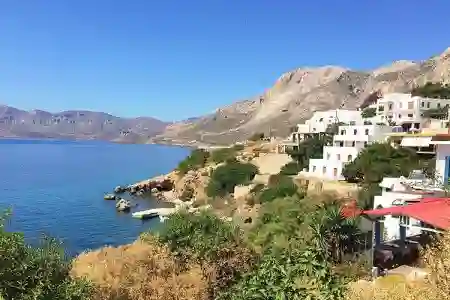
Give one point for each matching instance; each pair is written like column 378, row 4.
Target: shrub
column 222, row 155
column 291, row 168
column 279, row 187
column 197, row 159
column 217, row 246
column 432, row 90
column 226, row 177
column 257, row 136
column 369, row 112
column 36, row 272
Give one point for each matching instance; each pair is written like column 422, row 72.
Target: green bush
column 279, row 187
column 369, row 112
column 226, row 177
column 291, row 168
column 36, row 272
column 432, row 90
column 197, row 159
column 222, row 155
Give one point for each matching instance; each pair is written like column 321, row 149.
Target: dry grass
column 435, row 287
column 142, row 270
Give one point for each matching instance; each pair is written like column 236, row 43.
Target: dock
column 155, row 212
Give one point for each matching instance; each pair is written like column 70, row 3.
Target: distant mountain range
column 297, row 94
column 77, row 124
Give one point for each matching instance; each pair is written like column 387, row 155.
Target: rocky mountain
column 76, row 124
column 298, row 93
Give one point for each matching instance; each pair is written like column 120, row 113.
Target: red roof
column 433, row 211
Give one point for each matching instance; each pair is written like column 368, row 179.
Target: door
column 447, row 170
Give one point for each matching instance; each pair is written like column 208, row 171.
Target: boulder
column 119, row 189
column 123, row 205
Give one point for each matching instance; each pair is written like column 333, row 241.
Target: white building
column 406, row 110
column 349, row 141
column 321, row 120
column 396, row 192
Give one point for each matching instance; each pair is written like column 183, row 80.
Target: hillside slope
column 298, row 93
column 76, row 125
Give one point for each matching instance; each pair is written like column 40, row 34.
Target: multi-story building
column 321, row 120
column 407, row 111
column 346, row 145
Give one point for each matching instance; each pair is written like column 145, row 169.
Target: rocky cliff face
column 297, row 94
column 76, row 125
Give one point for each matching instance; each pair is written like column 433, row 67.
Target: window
column 428, row 104
column 355, row 131
column 410, row 105
column 324, row 170
column 328, row 156
column 342, row 132
column 341, row 144
column 338, row 157
column 314, row 130
column 400, row 105
column 422, row 104
column 366, row 132
column 399, row 116
column 353, row 144
column 390, row 106
column 352, row 123
column 349, row 157
column 365, row 144
column 380, row 108
column 438, row 105
column 335, row 172
column 314, row 168
column 410, row 115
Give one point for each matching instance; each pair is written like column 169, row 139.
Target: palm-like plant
column 333, row 233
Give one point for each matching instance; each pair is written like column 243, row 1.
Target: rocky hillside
column 297, row 94
column 76, row 125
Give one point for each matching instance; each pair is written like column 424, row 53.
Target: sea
column 56, row 188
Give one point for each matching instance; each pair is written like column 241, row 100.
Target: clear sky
column 177, row 59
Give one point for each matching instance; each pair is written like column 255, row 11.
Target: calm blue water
column 56, row 188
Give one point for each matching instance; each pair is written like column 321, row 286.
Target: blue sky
column 177, row 59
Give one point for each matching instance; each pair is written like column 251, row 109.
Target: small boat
column 109, row 197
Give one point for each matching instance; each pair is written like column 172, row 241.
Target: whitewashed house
column 405, row 110
column 346, row 145
column 321, row 120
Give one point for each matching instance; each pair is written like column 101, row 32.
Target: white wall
column 403, row 108
column 442, row 151
column 392, row 223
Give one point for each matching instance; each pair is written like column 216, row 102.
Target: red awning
column 433, row 211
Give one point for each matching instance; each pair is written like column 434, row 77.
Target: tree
column 291, row 168
column 224, row 178
column 333, row 232
column 380, row 160
column 369, row 112
column 310, row 148
column 432, row 90
column 36, row 272
column 221, row 155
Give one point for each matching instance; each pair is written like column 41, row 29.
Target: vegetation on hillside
column 436, row 113
column 369, row 112
column 197, row 159
column 432, row 90
column 225, row 177
column 257, row 136
column 291, row 168
column 36, row 272
column 223, row 154
column 310, row 148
